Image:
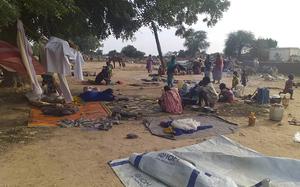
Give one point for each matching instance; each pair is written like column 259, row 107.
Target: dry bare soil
column 76, row 157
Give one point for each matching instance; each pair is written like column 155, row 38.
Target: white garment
column 186, row 124
column 64, row 87
column 26, row 53
column 78, row 62
column 58, row 53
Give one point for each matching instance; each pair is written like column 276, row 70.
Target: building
column 284, row 55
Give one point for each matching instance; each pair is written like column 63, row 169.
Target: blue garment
column 170, row 80
column 106, row 95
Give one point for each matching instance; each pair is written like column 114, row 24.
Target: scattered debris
column 297, row 137
column 100, row 124
column 131, row 136
column 294, row 121
column 243, row 109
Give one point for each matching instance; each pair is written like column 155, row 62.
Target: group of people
column 170, row 100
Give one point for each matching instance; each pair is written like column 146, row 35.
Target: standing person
column 289, row 86
column 244, row 78
column 170, row 71
column 149, row 64
column 207, row 67
column 235, row 80
column 218, row 69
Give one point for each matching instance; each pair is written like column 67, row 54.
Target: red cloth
column 171, row 102
column 10, row 57
column 219, row 65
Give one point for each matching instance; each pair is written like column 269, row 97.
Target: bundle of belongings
column 261, row 96
column 59, row 110
column 218, row 162
column 189, row 94
column 93, row 94
column 183, row 126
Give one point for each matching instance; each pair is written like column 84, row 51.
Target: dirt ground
column 76, row 157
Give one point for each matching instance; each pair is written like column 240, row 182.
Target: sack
column 173, row 171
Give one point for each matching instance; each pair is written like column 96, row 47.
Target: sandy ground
column 75, row 157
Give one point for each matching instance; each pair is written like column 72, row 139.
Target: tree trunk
column 154, row 28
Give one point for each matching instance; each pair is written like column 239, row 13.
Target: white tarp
column 220, row 158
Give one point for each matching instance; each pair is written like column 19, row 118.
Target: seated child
column 289, row 86
column 170, row 101
column 226, row 95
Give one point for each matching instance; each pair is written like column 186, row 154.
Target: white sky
column 276, row 19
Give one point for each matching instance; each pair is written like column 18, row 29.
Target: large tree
column 195, row 41
column 237, row 42
column 174, row 13
column 131, row 52
column 261, row 48
column 69, row 18
column 100, row 18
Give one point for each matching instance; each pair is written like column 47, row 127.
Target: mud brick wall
column 284, row 68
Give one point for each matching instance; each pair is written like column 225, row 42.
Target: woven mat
column 220, row 127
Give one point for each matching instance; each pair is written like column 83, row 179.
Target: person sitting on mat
column 170, row 101
column 226, row 95
column 207, row 93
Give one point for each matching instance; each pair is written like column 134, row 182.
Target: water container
column 263, row 96
column 276, row 112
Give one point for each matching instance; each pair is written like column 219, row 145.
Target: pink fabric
column 171, row 102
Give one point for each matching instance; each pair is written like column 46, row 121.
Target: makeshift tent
column 10, row 60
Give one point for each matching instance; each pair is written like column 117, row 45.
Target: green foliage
column 87, row 44
column 237, row 42
column 113, row 53
column 170, row 13
column 8, row 12
column 195, row 41
column 182, row 54
column 71, row 18
column 131, row 52
column 261, row 48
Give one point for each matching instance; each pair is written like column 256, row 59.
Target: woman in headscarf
column 170, row 101
column 170, row 71
column 149, row 64
column 218, row 69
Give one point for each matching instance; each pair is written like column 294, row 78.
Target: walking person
column 207, row 67
column 218, row 69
